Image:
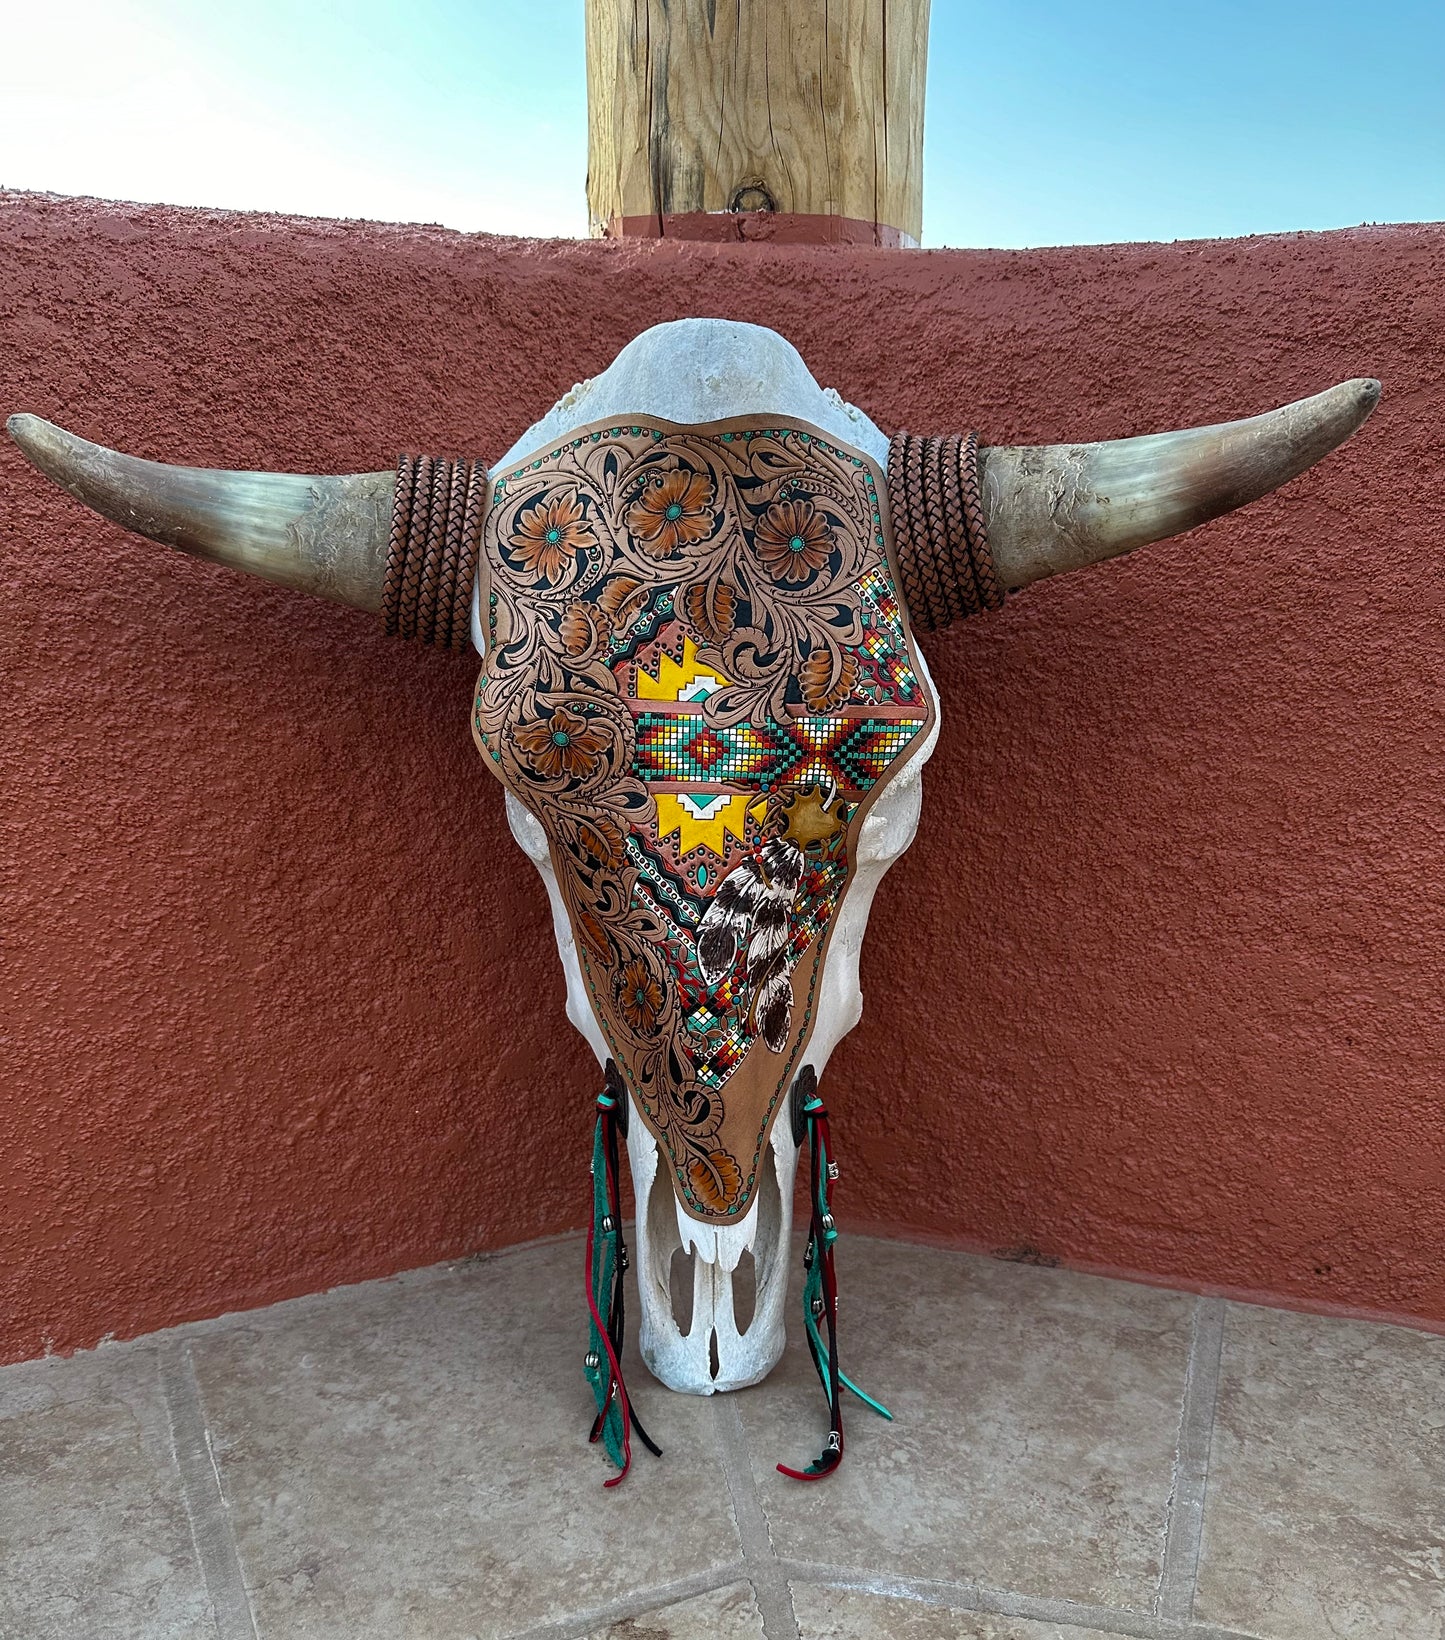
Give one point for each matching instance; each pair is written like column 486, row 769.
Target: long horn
column 1056, row 507
column 325, row 535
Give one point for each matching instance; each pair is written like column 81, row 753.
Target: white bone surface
column 693, row 371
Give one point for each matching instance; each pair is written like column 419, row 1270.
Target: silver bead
column 592, row 1360
column 818, row 1306
column 607, row 1227
column 828, row 1223
column 832, row 1172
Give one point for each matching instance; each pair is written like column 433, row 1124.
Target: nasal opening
column 680, row 1283
column 714, row 1366
column 745, row 1292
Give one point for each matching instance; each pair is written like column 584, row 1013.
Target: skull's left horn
column 325, row 535
column 972, row 523
column 1059, row 507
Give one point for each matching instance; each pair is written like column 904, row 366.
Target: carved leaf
column 822, row 689
column 711, row 610
column 716, row 1179
column 621, row 599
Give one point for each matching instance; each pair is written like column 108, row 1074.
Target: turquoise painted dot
column 561, row 738
column 702, row 876
column 554, row 536
column 727, row 438
column 674, row 511
column 796, row 544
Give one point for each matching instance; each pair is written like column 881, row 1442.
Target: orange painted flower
column 673, row 511
column 564, row 744
column 639, row 996
column 550, row 536
column 793, row 540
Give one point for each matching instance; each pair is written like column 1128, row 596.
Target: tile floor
column 1072, row 1458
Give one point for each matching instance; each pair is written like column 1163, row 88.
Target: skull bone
column 694, row 371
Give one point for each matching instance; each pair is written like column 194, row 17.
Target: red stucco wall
column 1158, row 989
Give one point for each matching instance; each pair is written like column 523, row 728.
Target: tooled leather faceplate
column 698, row 676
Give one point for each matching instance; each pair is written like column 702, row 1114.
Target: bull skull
column 712, row 1285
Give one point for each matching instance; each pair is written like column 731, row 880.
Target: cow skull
column 690, row 372
column 1049, row 508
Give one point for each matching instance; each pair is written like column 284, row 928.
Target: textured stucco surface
column 1158, row 988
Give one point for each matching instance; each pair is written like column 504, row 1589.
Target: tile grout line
column 766, row 1571
column 1184, row 1531
column 974, row 1597
column 581, row 1624
column 201, row 1492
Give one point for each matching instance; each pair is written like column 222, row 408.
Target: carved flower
column 550, row 535
column 673, row 511
column 715, row 1179
column 638, row 995
column 564, row 744
column 793, row 540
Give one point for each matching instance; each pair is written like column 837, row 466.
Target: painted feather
column 753, row 907
column 726, row 922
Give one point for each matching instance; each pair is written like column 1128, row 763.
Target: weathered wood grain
column 811, row 107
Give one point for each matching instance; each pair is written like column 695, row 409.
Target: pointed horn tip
column 39, row 439
column 1361, row 392
column 1367, row 393
column 23, row 426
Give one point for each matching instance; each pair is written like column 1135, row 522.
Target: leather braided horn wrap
column 938, row 529
column 431, row 559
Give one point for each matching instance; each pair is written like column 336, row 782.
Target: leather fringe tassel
column 606, row 1267
column 820, row 1286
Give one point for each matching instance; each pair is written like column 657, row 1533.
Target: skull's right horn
column 326, row 535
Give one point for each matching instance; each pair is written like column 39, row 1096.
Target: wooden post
column 791, row 120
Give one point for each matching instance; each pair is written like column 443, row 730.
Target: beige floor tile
column 410, row 1460
column 1325, row 1511
column 94, row 1540
column 838, row 1614
column 724, row 1614
column 1037, row 1415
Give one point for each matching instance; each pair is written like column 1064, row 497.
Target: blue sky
column 1047, row 123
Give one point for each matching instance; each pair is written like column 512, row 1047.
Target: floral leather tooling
column 698, row 672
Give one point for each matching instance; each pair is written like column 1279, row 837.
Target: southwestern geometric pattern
column 698, row 672
column 851, row 752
